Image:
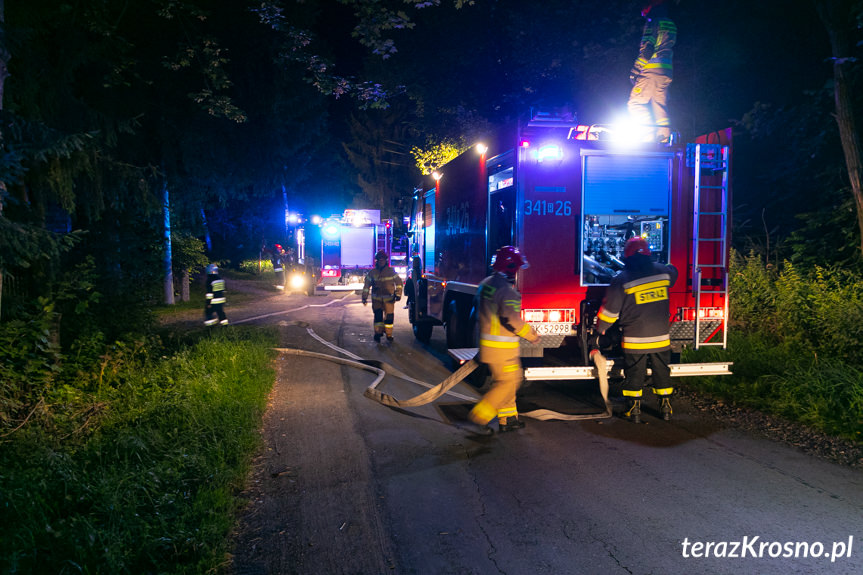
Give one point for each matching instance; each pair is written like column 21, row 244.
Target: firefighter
column 500, row 327
column 637, row 301
column 278, row 259
column 411, row 285
column 215, row 295
column 386, row 287
column 652, row 72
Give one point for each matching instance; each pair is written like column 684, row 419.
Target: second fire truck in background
column 348, row 245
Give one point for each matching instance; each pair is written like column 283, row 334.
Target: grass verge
column 787, row 380
column 151, row 488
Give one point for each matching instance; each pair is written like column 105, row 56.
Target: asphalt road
column 345, row 485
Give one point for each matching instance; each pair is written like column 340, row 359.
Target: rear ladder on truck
column 710, row 240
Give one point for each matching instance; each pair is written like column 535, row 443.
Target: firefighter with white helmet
column 500, row 331
column 637, row 301
column 215, row 296
column 385, row 286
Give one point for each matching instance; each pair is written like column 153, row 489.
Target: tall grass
column 147, row 483
column 796, row 340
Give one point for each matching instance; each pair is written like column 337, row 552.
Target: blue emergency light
column 549, row 152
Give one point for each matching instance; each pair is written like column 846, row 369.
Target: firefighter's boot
column 476, row 428
column 665, row 408
column 378, row 337
column 633, row 411
column 510, row 424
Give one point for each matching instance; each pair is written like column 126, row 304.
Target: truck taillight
column 688, row 313
column 329, row 273
column 548, row 315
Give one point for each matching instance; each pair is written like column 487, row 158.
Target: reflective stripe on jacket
column 500, row 323
column 384, row 283
column 215, row 289
column 657, row 47
column 637, row 299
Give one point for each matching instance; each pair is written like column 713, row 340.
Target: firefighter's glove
column 365, row 301
column 397, row 297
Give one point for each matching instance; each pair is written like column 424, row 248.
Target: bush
column 821, row 308
column 796, row 341
column 256, row 266
column 151, row 488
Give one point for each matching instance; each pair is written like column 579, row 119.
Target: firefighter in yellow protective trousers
column 500, row 330
column 637, row 301
column 385, row 285
column 653, row 71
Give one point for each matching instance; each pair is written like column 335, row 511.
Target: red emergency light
column 330, row 273
column 548, row 315
column 688, row 313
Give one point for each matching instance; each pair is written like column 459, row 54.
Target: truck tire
column 422, row 331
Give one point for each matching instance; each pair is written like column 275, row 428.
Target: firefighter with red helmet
column 500, row 331
column 215, row 298
column 653, row 71
column 278, row 258
column 385, row 286
column 637, row 301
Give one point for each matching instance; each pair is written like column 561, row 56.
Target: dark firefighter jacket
column 215, row 289
column 657, row 44
column 384, row 283
column 637, row 299
column 500, row 323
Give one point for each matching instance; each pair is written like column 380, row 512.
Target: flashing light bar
column 584, row 132
column 548, row 315
column 688, row 313
column 549, row 152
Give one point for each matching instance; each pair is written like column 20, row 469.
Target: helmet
column 651, row 4
column 381, row 255
column 636, row 245
column 212, row 269
column 508, row 260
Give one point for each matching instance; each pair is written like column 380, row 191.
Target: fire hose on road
column 382, row 369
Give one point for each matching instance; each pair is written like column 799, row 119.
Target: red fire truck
column 348, row 246
column 569, row 196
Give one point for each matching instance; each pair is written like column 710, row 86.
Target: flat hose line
column 382, row 369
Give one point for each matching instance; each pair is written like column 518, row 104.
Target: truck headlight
column 297, row 281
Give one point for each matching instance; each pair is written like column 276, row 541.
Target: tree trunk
column 184, row 289
column 838, row 18
column 169, row 274
column 207, row 239
column 4, row 71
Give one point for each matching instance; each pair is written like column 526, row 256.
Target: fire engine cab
column 569, row 196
